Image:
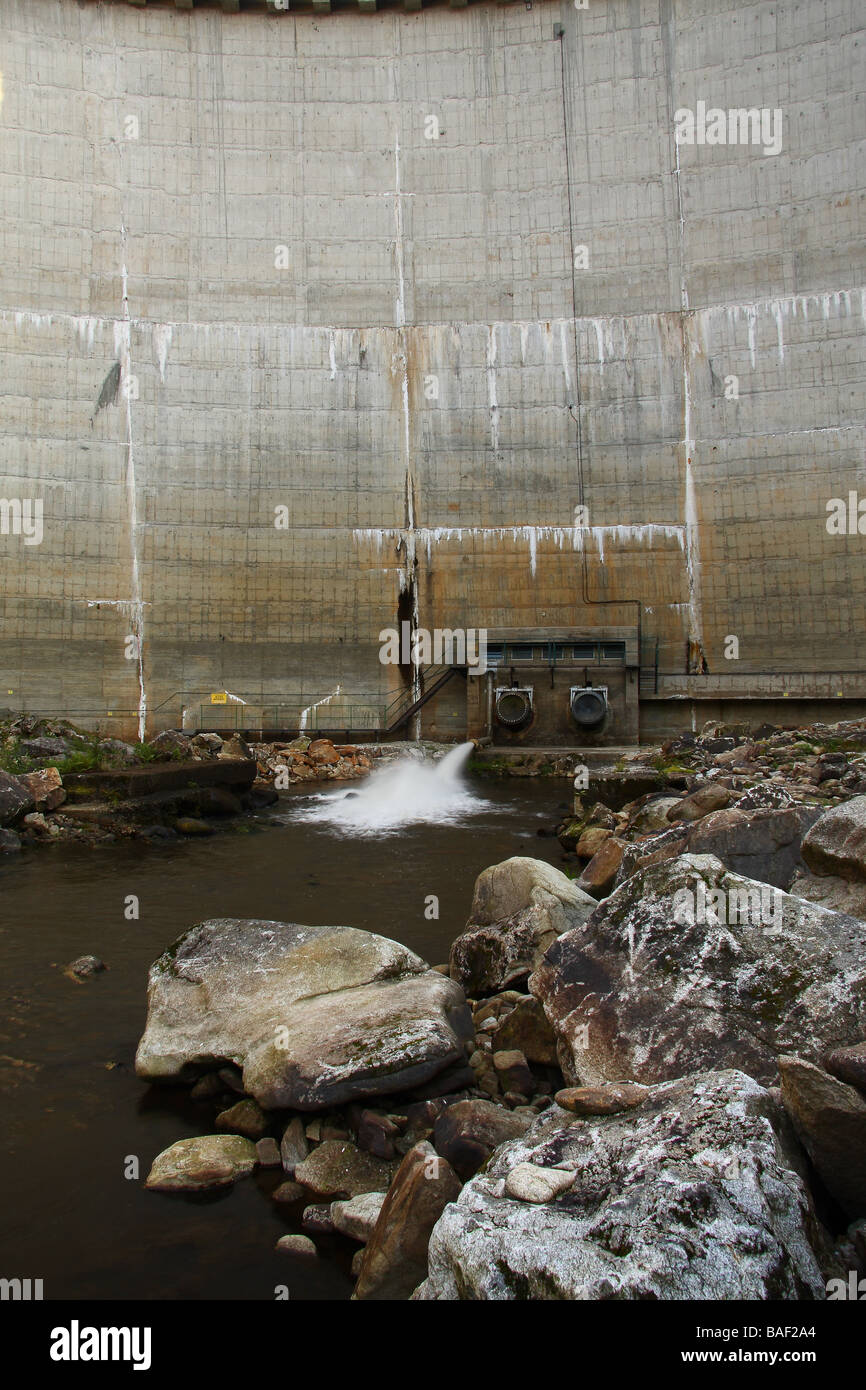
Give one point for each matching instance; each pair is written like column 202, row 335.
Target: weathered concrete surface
column 153, row 159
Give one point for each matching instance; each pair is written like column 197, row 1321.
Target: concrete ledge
column 234, row 774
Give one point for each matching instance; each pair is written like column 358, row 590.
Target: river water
column 74, row 1116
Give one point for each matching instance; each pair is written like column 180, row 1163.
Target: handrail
column 444, row 674
column 408, row 696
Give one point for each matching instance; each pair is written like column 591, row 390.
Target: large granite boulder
column 830, row 1118
column 16, row 800
column 315, row 1016
column 836, row 844
column 761, row 844
column 694, row 1194
column 519, row 907
column 395, row 1259
column 686, row 967
column 829, row 890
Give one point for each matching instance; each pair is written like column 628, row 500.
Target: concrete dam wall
column 315, row 322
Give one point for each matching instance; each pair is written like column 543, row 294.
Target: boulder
column 268, row 1153
column 513, row 1072
column 322, row 750
column 519, row 907
column 828, row 890
column 376, row 1133
column 653, row 987
column 172, row 743
column 43, row 748
column 296, row 1245
column 395, row 1259
column 653, row 814
column 245, row 1117
column 849, row 1064
column 766, row 796
column 467, row 1133
column 263, row 794
column 530, row 1182
column 591, row 841
column 46, row 788
column 315, row 1016
column 213, row 1160
column 836, row 843
column 208, row 742
column 695, row 1195
column 218, row 801
column 208, row 1087
column 289, row 1191
column 317, row 1218
column 233, row 748
column 526, row 1029
column 338, row 1169
column 10, row 843
column 191, row 825
column 16, row 799
column 610, row 1099
column 830, row 1118
column 652, row 849
column 762, row 844
column 600, row 873
column 84, row 966
column 357, row 1218
column 293, row 1145
column 710, row 797
column 116, row 752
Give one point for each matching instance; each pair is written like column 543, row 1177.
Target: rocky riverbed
column 61, row 783
column 640, row 1074
column 645, row 1080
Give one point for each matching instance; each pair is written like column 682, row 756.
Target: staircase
column 401, row 710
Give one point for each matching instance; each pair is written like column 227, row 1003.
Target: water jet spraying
column 409, row 792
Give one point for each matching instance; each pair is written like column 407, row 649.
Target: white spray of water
column 408, row 792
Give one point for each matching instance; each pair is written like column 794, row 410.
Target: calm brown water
column 70, row 1120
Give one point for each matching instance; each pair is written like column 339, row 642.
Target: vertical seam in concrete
column 123, row 344
column 690, row 499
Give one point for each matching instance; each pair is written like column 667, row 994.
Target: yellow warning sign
column 219, row 697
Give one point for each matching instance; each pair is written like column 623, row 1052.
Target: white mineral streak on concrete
column 305, row 713
column 692, row 533
column 332, row 354
column 684, row 290
column 433, row 536
column 161, row 335
column 779, row 311
column 122, row 341
column 563, row 343
column 493, row 403
column 598, row 325
column 86, row 327
column 400, row 302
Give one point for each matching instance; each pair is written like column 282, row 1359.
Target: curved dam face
column 314, row 323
